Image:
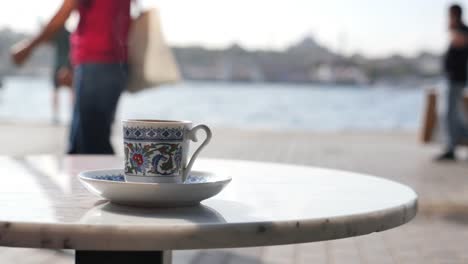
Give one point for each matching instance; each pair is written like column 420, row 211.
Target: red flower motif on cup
column 138, row 158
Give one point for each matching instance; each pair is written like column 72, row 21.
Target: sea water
column 236, row 105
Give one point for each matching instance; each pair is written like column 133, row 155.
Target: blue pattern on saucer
column 117, row 178
column 192, row 179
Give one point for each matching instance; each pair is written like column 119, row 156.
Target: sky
column 371, row 27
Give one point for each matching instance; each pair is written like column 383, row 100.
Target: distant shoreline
column 396, row 85
column 306, row 61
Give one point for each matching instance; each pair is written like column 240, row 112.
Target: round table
column 43, row 205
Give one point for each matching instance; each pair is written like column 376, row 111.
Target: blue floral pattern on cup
column 156, row 158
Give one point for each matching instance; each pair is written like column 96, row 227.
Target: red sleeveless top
column 102, row 32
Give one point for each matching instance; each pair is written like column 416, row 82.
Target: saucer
column 111, row 185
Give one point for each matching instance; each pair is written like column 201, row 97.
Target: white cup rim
column 155, row 121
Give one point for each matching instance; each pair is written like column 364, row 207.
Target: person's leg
column 75, row 126
column 99, row 88
column 461, row 110
column 453, row 121
column 55, row 106
column 55, row 103
column 452, row 116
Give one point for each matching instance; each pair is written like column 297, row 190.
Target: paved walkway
column 439, row 234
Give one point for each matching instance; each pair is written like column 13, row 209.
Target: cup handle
column 192, row 135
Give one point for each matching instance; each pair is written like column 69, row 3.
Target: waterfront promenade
column 437, row 235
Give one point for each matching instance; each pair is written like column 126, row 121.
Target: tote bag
column 150, row 59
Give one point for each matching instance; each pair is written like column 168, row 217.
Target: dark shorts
column 55, row 79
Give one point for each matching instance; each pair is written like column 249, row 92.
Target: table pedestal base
column 123, row 257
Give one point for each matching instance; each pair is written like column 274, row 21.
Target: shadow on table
column 109, row 212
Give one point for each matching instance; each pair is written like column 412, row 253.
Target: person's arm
column 21, row 51
column 458, row 39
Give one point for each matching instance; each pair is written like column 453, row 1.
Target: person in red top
column 99, row 56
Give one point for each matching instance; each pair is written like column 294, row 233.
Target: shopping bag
column 150, row 58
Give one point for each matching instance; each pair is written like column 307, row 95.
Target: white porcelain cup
column 156, row 150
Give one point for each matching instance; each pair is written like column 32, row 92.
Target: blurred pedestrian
column 62, row 73
column 99, row 57
column 456, row 68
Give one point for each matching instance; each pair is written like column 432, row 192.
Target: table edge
column 177, row 237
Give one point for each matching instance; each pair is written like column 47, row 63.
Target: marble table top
column 43, row 205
